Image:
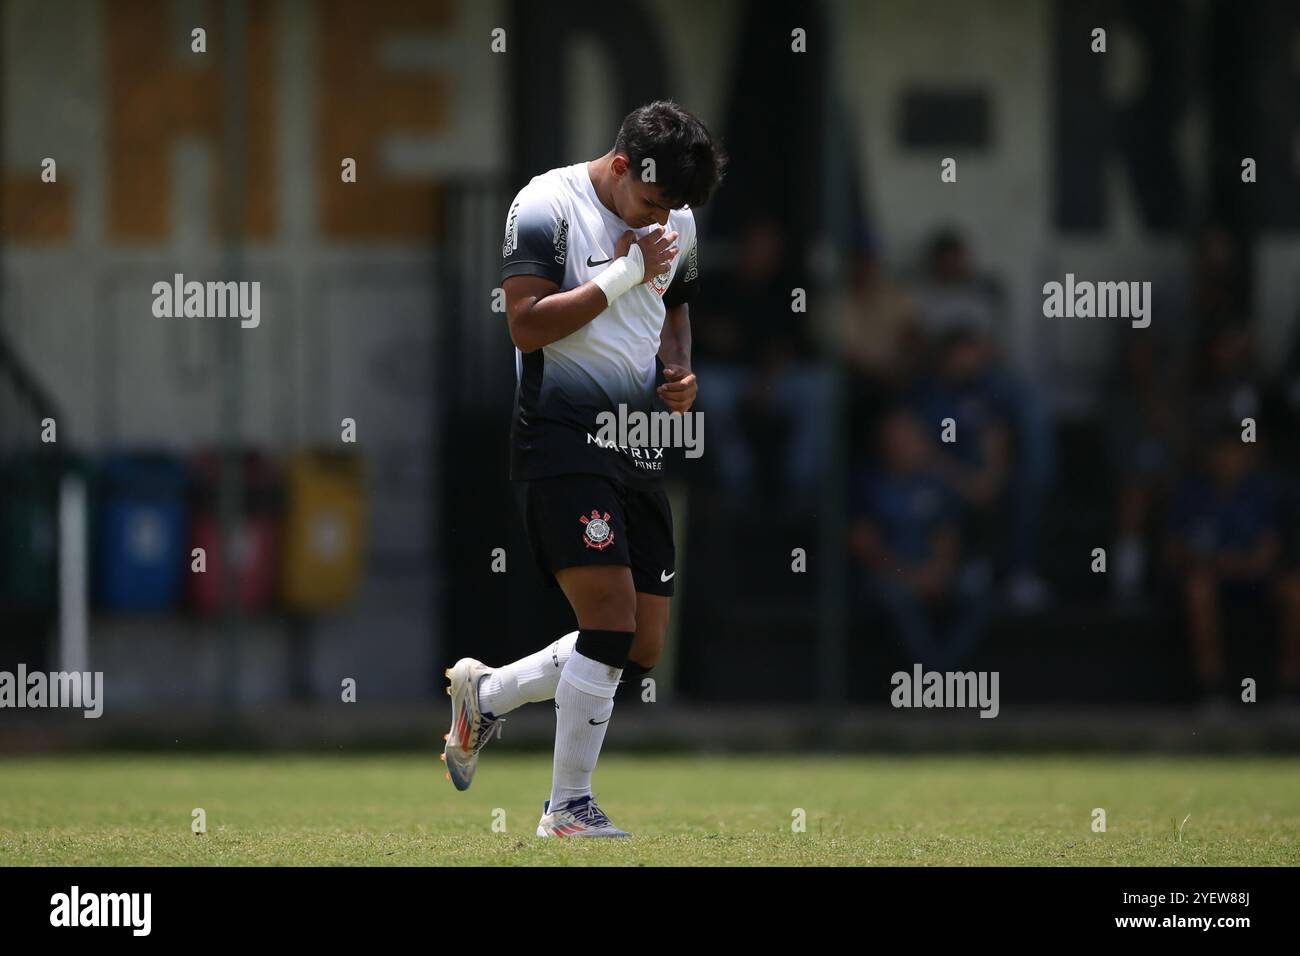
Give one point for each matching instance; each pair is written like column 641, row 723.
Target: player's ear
column 619, row 164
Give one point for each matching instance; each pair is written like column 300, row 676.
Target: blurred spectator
column 760, row 385
column 951, row 295
column 960, row 309
column 1220, row 285
column 1224, row 550
column 1180, row 376
column 878, row 339
column 1002, row 492
column 976, row 462
column 1148, row 441
column 906, row 534
column 879, row 332
column 1226, row 380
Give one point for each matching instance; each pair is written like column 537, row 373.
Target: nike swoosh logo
column 600, row 263
column 665, row 576
column 597, row 723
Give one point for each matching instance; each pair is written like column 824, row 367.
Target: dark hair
column 688, row 163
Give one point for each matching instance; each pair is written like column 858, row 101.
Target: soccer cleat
column 579, row 818
column 470, row 730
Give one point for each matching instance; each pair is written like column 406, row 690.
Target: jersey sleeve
column 537, row 236
column 686, row 283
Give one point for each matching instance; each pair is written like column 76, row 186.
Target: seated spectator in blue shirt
column 993, row 464
column 975, row 463
column 906, row 535
column 1224, row 547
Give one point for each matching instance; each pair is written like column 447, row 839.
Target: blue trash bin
column 142, row 532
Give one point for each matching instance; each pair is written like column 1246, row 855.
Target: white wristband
column 622, row 275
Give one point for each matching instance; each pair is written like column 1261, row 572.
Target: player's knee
column 610, row 609
column 646, row 648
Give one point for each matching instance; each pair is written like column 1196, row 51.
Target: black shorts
column 575, row 520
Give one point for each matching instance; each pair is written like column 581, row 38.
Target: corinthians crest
column 597, row 534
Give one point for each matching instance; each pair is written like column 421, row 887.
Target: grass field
column 695, row 810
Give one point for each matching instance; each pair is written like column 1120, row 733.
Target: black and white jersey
column 559, row 229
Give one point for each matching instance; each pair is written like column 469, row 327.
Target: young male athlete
column 596, row 295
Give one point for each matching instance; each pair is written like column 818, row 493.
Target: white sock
column 584, row 702
column 526, row 680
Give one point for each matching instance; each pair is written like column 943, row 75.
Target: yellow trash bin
column 324, row 532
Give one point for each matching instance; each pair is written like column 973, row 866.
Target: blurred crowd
column 951, row 453
column 1205, row 474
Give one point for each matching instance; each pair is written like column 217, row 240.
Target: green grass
column 695, row 810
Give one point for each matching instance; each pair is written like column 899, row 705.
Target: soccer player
column 599, row 263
